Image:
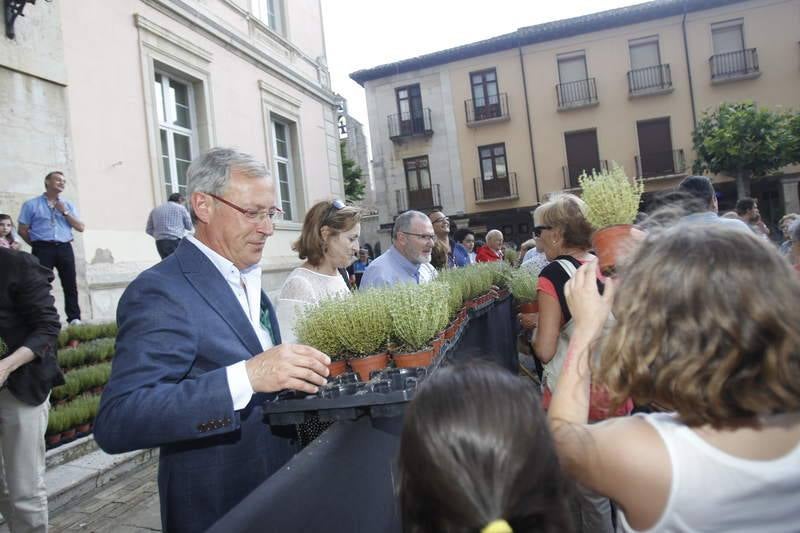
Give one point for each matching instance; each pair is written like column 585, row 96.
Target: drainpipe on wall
column 688, row 66
column 530, row 126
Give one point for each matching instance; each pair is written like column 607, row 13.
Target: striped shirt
column 168, row 221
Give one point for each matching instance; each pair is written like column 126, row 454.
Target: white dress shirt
column 246, row 286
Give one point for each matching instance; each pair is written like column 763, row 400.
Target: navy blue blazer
column 180, row 325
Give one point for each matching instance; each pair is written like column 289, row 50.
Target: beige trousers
column 23, row 496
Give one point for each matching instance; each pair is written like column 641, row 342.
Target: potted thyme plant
column 523, row 285
column 613, row 202
column 418, row 313
column 317, row 328
column 363, row 328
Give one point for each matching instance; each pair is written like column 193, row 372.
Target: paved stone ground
column 127, row 505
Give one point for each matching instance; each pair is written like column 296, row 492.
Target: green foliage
column 353, row 183
column 57, row 421
column 91, row 352
column 511, row 256
column 478, row 280
column 611, row 197
column 455, row 282
column 317, row 325
column 364, row 322
column 418, row 313
column 741, row 140
column 523, row 285
column 86, row 332
column 3, row 348
column 81, row 410
column 500, row 272
column 82, row 379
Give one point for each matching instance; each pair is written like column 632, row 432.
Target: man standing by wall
column 409, row 258
column 168, row 223
column 46, row 223
column 29, row 327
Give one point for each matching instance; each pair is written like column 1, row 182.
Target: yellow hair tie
column 497, row 526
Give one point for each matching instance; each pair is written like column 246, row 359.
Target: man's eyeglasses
column 443, row 219
column 537, row 230
column 252, row 215
column 422, row 236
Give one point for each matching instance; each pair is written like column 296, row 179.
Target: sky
column 367, row 33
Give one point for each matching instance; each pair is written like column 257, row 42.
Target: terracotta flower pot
column 84, row 428
column 412, row 360
column 529, row 307
column 438, row 342
column 73, row 343
column 337, row 368
column 610, row 244
column 68, row 434
column 53, row 440
column 363, row 366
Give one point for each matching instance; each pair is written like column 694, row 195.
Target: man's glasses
column 443, row 219
column 422, row 236
column 252, row 215
column 537, row 230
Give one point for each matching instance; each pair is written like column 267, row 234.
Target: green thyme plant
column 316, row 327
column 511, row 256
column 418, row 313
column 612, row 198
column 523, row 286
column 364, row 322
column 455, row 286
column 56, row 421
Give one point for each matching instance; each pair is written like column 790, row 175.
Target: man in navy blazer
column 199, row 350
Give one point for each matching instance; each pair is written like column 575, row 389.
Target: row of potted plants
column 408, row 323
column 88, row 353
column 76, row 382
column 72, row 419
column 85, row 332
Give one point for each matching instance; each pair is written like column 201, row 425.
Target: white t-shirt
column 302, row 288
column 713, row 491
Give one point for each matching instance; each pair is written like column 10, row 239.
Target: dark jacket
column 28, row 317
column 180, row 325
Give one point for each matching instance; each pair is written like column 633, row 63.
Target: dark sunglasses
column 537, row 230
column 335, row 206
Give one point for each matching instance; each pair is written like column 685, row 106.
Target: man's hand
column 528, row 321
column 288, row 366
column 5, row 371
column 61, row 206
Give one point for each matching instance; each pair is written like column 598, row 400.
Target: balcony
column 405, row 125
column 480, row 111
column 419, row 199
column 501, row 188
column 570, row 174
column 732, row 66
column 650, row 80
column 660, row 164
column 575, row 94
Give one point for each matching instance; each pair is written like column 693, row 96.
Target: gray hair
column 494, row 234
column 794, row 231
column 403, row 222
column 210, row 172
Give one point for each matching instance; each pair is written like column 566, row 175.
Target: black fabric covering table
column 344, row 480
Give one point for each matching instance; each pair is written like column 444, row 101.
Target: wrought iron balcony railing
column 497, row 188
column 484, row 110
column 732, row 65
column 649, row 79
column 668, row 163
column 577, row 93
column 418, row 199
column 404, row 125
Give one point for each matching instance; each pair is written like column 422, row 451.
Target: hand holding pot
column 288, row 366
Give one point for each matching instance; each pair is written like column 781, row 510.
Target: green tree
column 743, row 141
column 353, row 184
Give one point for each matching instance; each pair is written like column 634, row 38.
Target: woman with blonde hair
column 707, row 323
column 328, row 242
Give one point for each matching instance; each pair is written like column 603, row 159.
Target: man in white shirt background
column 199, row 345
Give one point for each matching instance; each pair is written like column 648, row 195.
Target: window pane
column 488, row 174
column 486, row 152
column 412, row 180
column 490, row 76
column 159, row 90
column 183, row 149
column 182, row 167
column 180, row 94
column 500, row 166
column 573, row 69
column 644, row 55
column 424, row 178
column 165, row 161
column 728, row 39
column 499, row 150
column 280, row 131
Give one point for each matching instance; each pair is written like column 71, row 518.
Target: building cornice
column 163, row 33
column 549, row 31
column 183, row 12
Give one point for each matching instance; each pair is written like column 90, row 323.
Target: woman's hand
column 589, row 308
column 528, row 321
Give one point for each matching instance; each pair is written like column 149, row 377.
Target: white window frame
column 274, row 9
column 279, row 160
column 172, row 129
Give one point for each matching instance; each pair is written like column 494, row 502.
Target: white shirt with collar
column 249, row 298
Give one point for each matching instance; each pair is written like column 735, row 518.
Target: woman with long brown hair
column 707, row 324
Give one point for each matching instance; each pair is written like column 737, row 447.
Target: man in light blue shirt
column 168, row 223
column 409, row 258
column 46, row 223
column 701, row 189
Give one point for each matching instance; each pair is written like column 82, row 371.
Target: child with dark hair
column 476, row 455
column 7, row 239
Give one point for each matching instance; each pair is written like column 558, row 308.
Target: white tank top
column 713, row 491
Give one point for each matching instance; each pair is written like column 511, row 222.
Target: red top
column 486, row 255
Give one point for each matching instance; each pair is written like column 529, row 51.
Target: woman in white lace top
column 329, row 241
